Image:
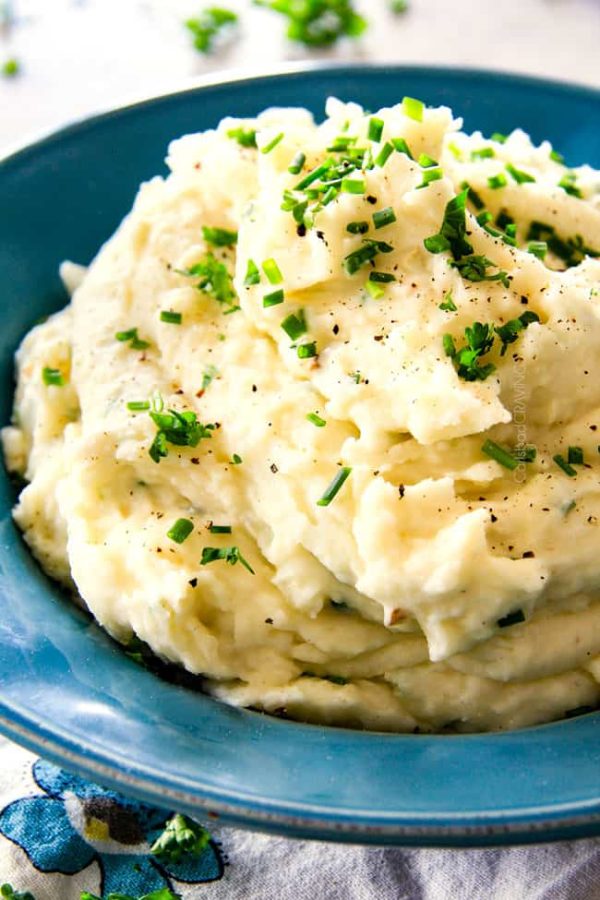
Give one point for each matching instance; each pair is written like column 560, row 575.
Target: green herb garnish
column 452, row 234
column 181, row 840
column 568, row 184
column 375, row 129
column 307, row 351
column 401, row 146
column 52, row 377
column 413, row 108
column 318, row 23
column 252, row 274
column 180, row 530
column 131, row 337
column 272, row 143
column 208, row 25
column 230, row 555
column 215, row 280
column 10, row 69
column 575, row 456
column 219, row 237
column 138, row 405
column 297, row 164
column 274, row 298
column 357, row 227
column 364, row 254
column 335, row 486
column 171, row 317
column 8, row 893
column 500, row 455
column 182, row 429
column 479, row 341
column 563, row 464
column 483, row 153
column 294, row 325
column 448, row 305
column 384, row 154
column 219, row 529
column 246, row 137
column 537, row 248
column 518, row 175
column 316, row 420
column 497, row 181
column 384, row 217
column 509, row 332
column 475, row 268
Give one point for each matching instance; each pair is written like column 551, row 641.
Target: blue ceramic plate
column 69, row 693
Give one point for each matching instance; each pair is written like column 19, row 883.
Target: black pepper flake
column 377, row 337
column 274, row 468
column 524, row 300
column 371, row 199
column 301, row 229
column 529, row 554
column 254, row 389
column 268, row 621
column 401, row 490
column 493, row 517
column 193, row 582
column 336, row 330
column 593, row 427
column 195, row 461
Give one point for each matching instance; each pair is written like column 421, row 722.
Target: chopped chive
column 329, row 195
column 274, row 298
column 180, row 530
column 297, row 163
column 426, row 161
column 369, row 250
column 138, row 405
column 236, row 459
column 375, row 129
column 448, row 305
column 342, row 143
column 272, row 144
column 209, row 373
column 483, row 218
column 230, row 555
column 384, row 217
column 513, row 618
column 252, row 274
column 497, row 181
column 312, row 176
column 272, row 271
column 401, row 146
column 499, row 137
column 316, row 420
column 555, row 156
column 219, row 237
column 413, row 108
column 518, row 175
column 10, row 67
column 575, row 456
column 384, row 154
column 472, row 195
column 52, row 377
column 455, row 151
column 381, row 277
column 172, row 318
column 568, row 184
column 353, row 185
column 375, row 290
column 538, row 248
column 219, row 529
column 294, row 325
column 430, row 175
column 246, row 137
column 131, row 335
column 307, row 351
column 562, row 463
column 500, row 455
column 334, row 487
column 483, row 153
column 357, row 227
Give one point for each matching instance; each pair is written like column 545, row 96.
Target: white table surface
column 81, row 56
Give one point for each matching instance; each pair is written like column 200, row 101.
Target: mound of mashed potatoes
column 320, row 423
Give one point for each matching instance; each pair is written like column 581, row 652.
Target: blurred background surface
column 75, row 57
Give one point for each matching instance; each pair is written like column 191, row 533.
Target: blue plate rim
column 532, row 824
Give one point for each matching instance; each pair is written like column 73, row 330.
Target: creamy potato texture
column 371, row 388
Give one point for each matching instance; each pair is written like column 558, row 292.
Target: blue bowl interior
column 71, row 694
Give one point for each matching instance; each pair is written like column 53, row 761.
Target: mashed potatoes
column 321, row 422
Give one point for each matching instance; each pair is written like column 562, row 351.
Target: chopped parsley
column 452, row 234
column 334, row 487
column 364, row 254
column 131, row 337
column 513, row 618
column 181, row 840
column 479, row 341
column 231, row 555
column 246, row 137
column 215, row 280
column 475, row 268
column 52, row 377
column 448, row 305
column 294, row 325
column 413, row 108
column 318, row 23
column 180, row 530
column 509, row 332
column 208, row 26
column 219, row 237
column 518, row 175
column 171, row 317
column 316, row 420
column 181, row 429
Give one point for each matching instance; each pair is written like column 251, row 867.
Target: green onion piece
column 498, row 453
column 448, row 305
column 538, row 248
column 180, row 530
column 274, row 298
column 503, row 220
column 294, row 325
column 138, row 405
column 219, row 237
column 413, row 108
column 473, row 196
column 316, row 420
column 52, row 377
column 518, row 175
column 483, row 153
column 313, row 176
column 562, row 463
column 128, row 335
column 307, row 351
column 513, row 618
column 384, row 154
column 575, row 456
column 272, row 271
column 236, row 459
column 568, row 184
column 246, row 137
column 426, row 161
column 357, row 227
column 272, row 144
column 483, row 218
column 252, row 274
column 430, row 175
column 555, row 156
column 353, row 185
column 384, row 217
column 499, row 137
column 230, row 555
column 297, row 163
column 219, row 529
column 401, row 146
column 375, row 129
column 497, row 181
column 381, row 277
column 334, row 488
column 375, row 290
column 172, row 318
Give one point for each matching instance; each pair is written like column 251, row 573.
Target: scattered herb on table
column 318, row 23
column 10, row 69
column 182, row 839
column 209, row 25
